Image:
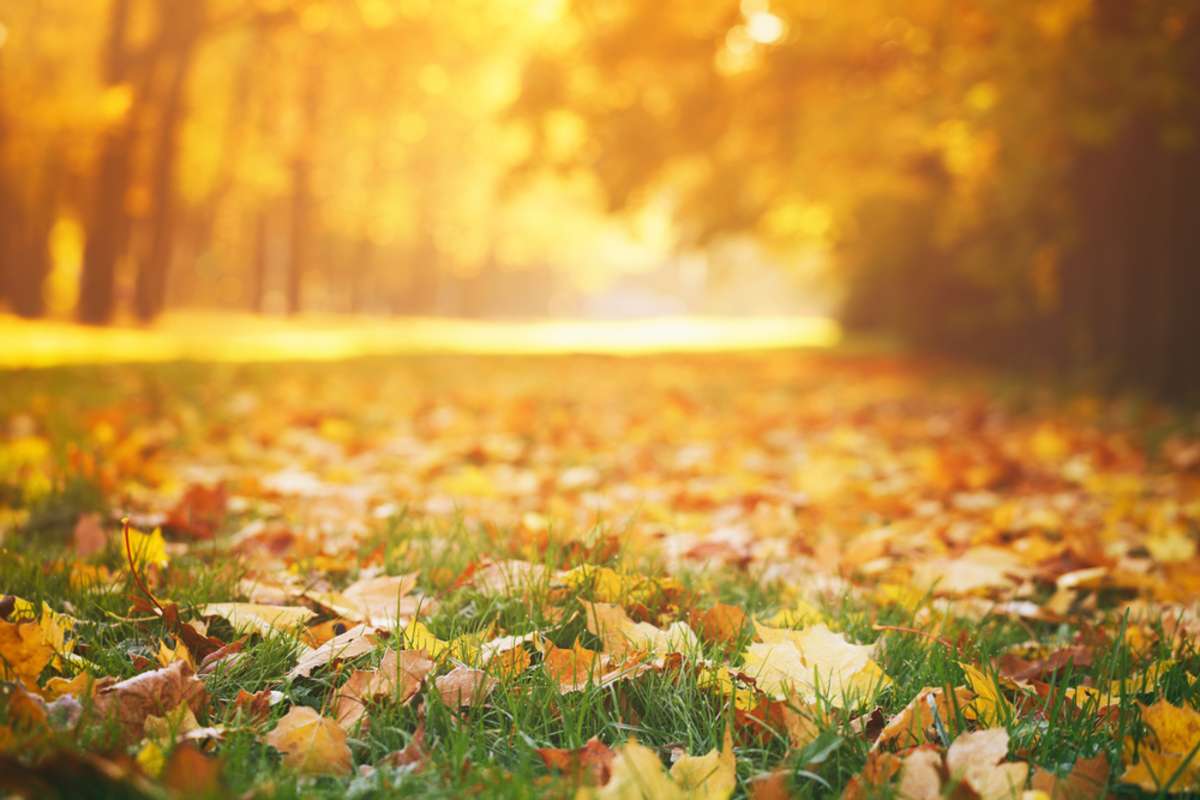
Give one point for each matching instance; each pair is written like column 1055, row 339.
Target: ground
column 772, row 574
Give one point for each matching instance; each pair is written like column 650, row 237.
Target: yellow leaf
column 257, row 618
column 311, row 744
column 622, row 636
column 148, row 548
column 712, row 776
column 989, row 706
column 1170, row 748
column 812, row 663
column 151, row 758
column 24, row 651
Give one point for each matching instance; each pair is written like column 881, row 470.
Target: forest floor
column 761, row 574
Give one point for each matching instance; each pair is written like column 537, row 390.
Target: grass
column 489, row 750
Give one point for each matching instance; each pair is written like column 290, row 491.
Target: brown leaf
column 151, row 693
column 413, row 753
column 775, row 785
column 398, row 678
column 200, row 512
column 591, row 763
column 89, row 537
column 1087, row 780
column 721, row 624
column 463, row 686
column 354, row 642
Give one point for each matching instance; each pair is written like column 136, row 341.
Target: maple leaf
column 148, row 549
column 258, row 618
column 989, row 706
column 909, row 726
column 623, row 637
column 1087, row 780
column 1166, row 759
column 153, row 693
column 975, row 759
column 311, row 744
column 381, row 601
column 721, row 624
column 592, row 762
column 351, row 644
column 813, row 662
column 636, row 773
column 24, row 651
column 464, row 686
column 572, row 668
column 398, row 678
column 977, row 570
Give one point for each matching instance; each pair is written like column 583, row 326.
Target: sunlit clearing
column 246, row 338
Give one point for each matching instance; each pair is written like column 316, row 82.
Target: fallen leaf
column 623, row 637
column 909, row 727
column 591, row 763
column 258, row 618
column 354, row 642
column 24, row 651
column 89, row 537
column 1169, row 751
column 572, row 668
column 382, row 601
column 712, row 776
column 721, row 624
column 1087, row 780
column 131, row 701
column 311, row 744
column 464, row 686
column 812, row 663
column 398, row 678
column 975, row 758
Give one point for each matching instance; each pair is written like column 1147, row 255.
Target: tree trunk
column 261, row 262
column 300, row 239
column 150, row 291
column 108, row 228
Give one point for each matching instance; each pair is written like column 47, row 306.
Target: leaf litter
column 828, row 576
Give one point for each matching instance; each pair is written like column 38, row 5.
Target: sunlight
column 227, row 337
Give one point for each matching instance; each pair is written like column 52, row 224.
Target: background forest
column 1009, row 179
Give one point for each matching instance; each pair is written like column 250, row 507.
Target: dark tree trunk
column 32, row 244
column 150, row 291
column 108, row 228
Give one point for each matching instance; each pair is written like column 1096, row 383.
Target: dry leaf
column 910, row 725
column 811, row 663
column 623, row 637
column 721, row 624
column 1087, row 780
column 258, row 618
column 354, row 642
column 574, row 668
column 975, row 758
column 1174, row 736
column 398, row 678
column 381, row 602
column 154, row 693
column 24, row 651
column 89, row 537
column 591, row 763
column 464, row 686
column 311, row 744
